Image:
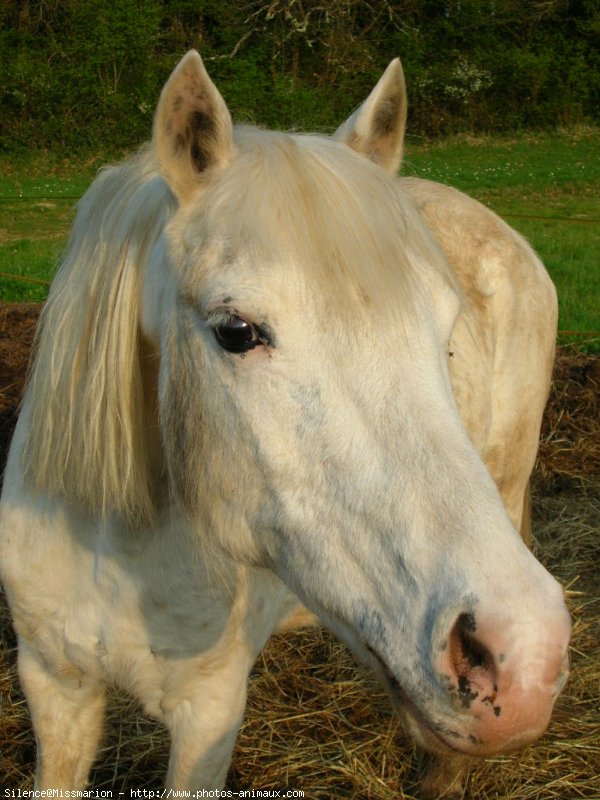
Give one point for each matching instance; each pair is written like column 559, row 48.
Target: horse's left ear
column 376, row 129
column 192, row 127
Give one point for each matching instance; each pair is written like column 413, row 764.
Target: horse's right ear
column 376, row 129
column 192, row 127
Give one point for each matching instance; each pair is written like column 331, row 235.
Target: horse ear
column 192, row 127
column 376, row 128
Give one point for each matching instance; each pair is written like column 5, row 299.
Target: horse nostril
column 467, row 651
column 471, row 663
column 500, row 675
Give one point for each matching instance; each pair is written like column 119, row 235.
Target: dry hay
column 318, row 722
column 570, row 442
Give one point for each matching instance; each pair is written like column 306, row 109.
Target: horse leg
column 67, row 711
column 204, row 727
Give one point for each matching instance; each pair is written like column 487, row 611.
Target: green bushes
column 77, row 73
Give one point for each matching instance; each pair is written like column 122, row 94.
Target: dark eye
column 236, row 335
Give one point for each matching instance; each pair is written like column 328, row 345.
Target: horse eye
column 236, row 335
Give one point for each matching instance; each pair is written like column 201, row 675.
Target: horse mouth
column 431, row 735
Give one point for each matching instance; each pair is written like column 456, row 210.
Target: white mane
column 85, row 398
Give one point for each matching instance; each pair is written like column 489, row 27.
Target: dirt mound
column 18, row 322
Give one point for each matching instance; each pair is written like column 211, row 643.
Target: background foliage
column 76, row 73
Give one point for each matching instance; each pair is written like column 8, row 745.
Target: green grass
column 32, row 237
column 554, row 176
column 540, row 162
column 38, row 193
column 570, row 253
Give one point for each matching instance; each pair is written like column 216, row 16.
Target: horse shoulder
column 40, row 567
column 488, row 257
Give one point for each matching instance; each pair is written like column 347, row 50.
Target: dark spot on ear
column 497, row 710
column 180, row 143
column 177, row 103
column 200, row 158
column 197, row 137
column 201, row 123
column 202, row 132
column 227, row 299
column 386, row 118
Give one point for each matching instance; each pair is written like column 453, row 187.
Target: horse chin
column 422, row 733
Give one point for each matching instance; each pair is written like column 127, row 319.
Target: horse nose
column 503, row 677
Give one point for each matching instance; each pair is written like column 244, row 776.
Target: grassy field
column 547, row 186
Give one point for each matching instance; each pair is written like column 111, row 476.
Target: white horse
column 270, row 372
